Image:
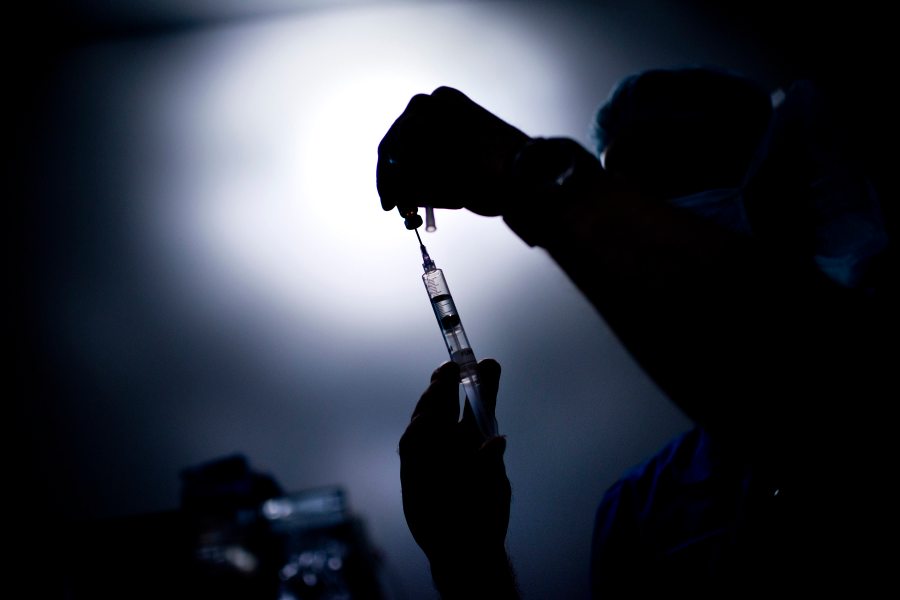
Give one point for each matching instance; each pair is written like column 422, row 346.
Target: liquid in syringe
column 457, row 343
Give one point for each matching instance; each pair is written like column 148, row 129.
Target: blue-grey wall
column 214, row 275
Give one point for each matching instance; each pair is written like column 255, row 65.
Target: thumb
column 489, row 378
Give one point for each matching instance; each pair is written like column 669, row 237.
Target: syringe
column 457, row 343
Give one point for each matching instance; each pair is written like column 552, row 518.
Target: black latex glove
column 446, row 151
column 456, row 495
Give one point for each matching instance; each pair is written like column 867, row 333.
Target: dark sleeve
column 746, row 342
column 616, row 547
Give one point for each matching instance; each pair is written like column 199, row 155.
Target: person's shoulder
column 676, row 461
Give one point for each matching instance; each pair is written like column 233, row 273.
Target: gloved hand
column 446, row 151
column 456, row 495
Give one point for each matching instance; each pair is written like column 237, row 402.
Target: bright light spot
column 289, row 570
column 278, row 149
column 241, row 559
column 277, row 508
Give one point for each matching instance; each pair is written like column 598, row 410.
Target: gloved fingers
column 397, row 169
column 489, row 376
column 445, row 151
column 437, row 411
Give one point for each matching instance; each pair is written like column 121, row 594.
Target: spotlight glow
column 280, row 134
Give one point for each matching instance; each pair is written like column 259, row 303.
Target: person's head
column 675, row 132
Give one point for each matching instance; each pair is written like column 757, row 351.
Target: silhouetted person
column 709, row 267
column 704, row 513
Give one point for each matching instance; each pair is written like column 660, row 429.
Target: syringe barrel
column 459, row 348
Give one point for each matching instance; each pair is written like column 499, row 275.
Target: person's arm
column 743, row 340
column 456, row 494
column 747, row 341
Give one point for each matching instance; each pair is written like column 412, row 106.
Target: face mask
column 849, row 228
column 844, row 208
column 844, row 212
column 723, row 206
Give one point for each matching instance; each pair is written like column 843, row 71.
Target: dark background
column 163, row 312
